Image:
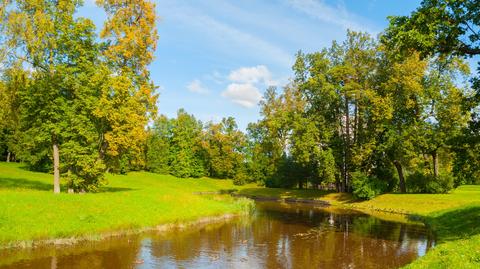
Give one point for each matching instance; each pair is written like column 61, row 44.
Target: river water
column 277, row 235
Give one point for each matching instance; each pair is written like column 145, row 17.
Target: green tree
column 158, row 146
column 185, row 148
column 404, row 86
column 446, row 28
column 14, row 79
column 224, row 148
column 56, row 105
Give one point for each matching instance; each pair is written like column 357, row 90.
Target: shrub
column 240, row 178
column 442, row 184
column 367, row 187
column 426, row 183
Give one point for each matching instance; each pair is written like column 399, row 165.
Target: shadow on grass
column 22, row 183
column 114, row 189
column 455, row 224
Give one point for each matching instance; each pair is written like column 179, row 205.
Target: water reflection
column 277, row 236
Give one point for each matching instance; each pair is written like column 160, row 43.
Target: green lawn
column 29, row 210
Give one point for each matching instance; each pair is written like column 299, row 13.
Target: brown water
column 276, row 236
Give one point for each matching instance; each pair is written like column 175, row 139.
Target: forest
column 367, row 115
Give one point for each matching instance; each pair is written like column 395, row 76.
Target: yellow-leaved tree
column 128, row 99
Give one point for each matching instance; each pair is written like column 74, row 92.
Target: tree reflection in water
column 277, row 236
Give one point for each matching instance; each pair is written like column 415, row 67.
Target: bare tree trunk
column 337, row 184
column 435, row 164
column 8, row 156
column 355, row 124
column 398, row 165
column 347, row 144
column 56, row 167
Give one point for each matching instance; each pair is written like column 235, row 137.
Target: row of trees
column 74, row 102
column 358, row 109
column 185, row 147
column 365, row 115
column 370, row 116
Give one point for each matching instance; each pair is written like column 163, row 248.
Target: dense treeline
column 185, row 147
column 360, row 117
column 397, row 113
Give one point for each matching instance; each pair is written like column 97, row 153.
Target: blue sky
column 216, row 58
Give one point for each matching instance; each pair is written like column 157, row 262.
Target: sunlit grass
column 283, row 193
column 29, row 210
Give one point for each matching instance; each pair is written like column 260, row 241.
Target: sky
column 216, row 58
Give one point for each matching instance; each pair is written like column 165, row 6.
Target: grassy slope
column 454, row 217
column 29, row 210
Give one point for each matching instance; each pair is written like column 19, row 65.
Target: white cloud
column 246, row 94
column 252, row 75
column 197, row 87
column 245, row 83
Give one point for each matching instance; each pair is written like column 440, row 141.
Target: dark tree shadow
column 22, row 183
column 115, row 189
column 455, row 224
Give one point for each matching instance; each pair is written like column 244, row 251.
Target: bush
column 426, row 183
column 367, row 187
column 240, row 178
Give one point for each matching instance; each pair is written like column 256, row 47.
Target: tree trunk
column 56, row 167
column 355, row 123
column 435, row 164
column 398, row 165
column 8, row 156
column 347, row 144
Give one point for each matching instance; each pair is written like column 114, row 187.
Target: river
column 277, row 235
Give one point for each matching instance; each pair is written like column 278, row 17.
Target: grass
column 30, row 211
column 454, row 218
column 283, row 193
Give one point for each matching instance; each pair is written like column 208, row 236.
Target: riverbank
column 31, row 213
column 454, row 218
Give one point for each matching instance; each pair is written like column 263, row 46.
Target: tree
column 437, row 26
column 128, row 99
column 224, row 148
column 444, row 116
column 404, row 85
column 444, row 28
column 61, row 51
column 158, row 146
column 338, row 87
column 14, row 79
column 185, row 148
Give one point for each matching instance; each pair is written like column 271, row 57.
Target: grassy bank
column 454, row 217
column 330, row 197
column 30, row 211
